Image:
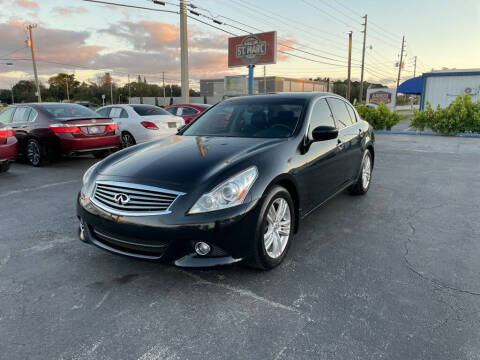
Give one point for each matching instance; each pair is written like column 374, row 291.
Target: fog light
column 81, row 231
column 202, row 248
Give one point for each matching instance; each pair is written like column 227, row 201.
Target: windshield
column 145, row 110
column 250, row 117
column 68, row 110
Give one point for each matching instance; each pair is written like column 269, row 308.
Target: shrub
column 462, row 115
column 379, row 117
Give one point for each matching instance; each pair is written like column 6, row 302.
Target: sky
column 89, row 39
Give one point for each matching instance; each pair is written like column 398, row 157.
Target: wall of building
column 175, row 100
column 442, row 90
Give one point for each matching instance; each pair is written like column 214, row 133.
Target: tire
column 4, row 167
column 364, row 178
column 36, row 153
column 101, row 154
column 269, row 251
column 127, row 140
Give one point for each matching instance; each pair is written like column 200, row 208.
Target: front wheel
column 275, row 229
column 363, row 182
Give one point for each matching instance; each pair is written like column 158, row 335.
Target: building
column 237, row 85
column 443, row 86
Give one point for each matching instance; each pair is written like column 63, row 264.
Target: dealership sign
column 254, row 49
column 384, row 95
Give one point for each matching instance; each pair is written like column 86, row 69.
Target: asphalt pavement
column 390, row 275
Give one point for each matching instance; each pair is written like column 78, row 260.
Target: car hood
column 182, row 161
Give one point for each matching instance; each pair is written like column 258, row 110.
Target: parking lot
column 393, row 274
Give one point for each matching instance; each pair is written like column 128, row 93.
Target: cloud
column 29, row 4
column 65, row 11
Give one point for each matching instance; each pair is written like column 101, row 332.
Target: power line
column 131, row 6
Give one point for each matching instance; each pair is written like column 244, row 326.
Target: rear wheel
column 127, row 139
column 363, row 183
column 36, row 153
column 4, row 167
column 275, row 230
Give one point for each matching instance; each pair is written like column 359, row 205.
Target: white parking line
column 8, row 193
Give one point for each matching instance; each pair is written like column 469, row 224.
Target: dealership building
column 220, row 88
column 443, row 86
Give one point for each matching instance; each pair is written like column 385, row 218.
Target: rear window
column 68, row 111
column 145, row 110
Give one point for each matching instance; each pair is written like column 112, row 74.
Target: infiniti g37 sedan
column 231, row 186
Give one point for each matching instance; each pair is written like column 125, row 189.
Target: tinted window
column 189, row 111
column 6, row 115
column 118, row 113
column 146, row 110
column 33, row 115
column 342, row 117
column 321, row 115
column 352, row 113
column 68, row 110
column 21, row 114
column 250, row 117
column 172, row 110
column 104, row 111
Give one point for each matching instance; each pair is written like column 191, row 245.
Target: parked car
column 45, row 131
column 8, row 147
column 188, row 112
column 141, row 123
column 233, row 185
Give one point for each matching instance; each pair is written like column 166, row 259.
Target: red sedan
column 187, row 111
column 45, row 131
column 8, row 147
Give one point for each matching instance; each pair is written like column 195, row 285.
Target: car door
column 320, row 175
column 348, row 138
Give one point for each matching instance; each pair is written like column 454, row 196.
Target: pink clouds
column 29, row 4
column 71, row 10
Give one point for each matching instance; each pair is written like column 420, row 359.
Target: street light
column 11, row 86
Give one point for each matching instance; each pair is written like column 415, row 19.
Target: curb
column 430, row 133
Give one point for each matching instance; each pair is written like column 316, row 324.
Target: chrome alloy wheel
column 278, row 226
column 366, row 171
column 33, row 153
column 127, row 140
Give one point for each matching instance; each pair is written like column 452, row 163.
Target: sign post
column 251, row 50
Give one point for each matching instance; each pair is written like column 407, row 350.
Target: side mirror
column 321, row 133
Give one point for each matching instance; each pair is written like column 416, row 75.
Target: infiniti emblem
column 122, row 199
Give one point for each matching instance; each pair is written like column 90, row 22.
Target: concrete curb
column 431, row 133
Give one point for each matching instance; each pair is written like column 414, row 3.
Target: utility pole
column 184, row 52
column 68, row 94
column 34, row 62
column 414, row 66
column 401, row 61
column 129, row 93
column 360, row 99
column 13, row 100
column 163, row 80
column 111, row 90
column 264, row 79
column 349, row 84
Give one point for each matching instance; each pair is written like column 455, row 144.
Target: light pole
column 30, row 43
column 184, row 52
column 349, row 84
column 11, row 86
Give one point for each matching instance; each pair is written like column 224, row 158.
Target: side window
column 320, row 116
column 342, row 117
column 189, row 111
column 123, row 114
column 104, row 111
column 116, row 112
column 33, row 115
column 352, row 113
column 21, row 114
column 6, row 115
column 172, row 110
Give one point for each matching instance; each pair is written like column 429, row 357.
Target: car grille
column 133, row 199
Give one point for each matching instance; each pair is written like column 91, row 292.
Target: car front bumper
column 230, row 234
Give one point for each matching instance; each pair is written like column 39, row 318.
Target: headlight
column 231, row 192
column 85, row 179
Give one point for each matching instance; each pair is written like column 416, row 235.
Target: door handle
column 340, row 145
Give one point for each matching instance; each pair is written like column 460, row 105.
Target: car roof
column 294, row 95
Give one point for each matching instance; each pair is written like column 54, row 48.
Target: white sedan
column 141, row 123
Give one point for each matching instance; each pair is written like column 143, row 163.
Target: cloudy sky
column 88, row 39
